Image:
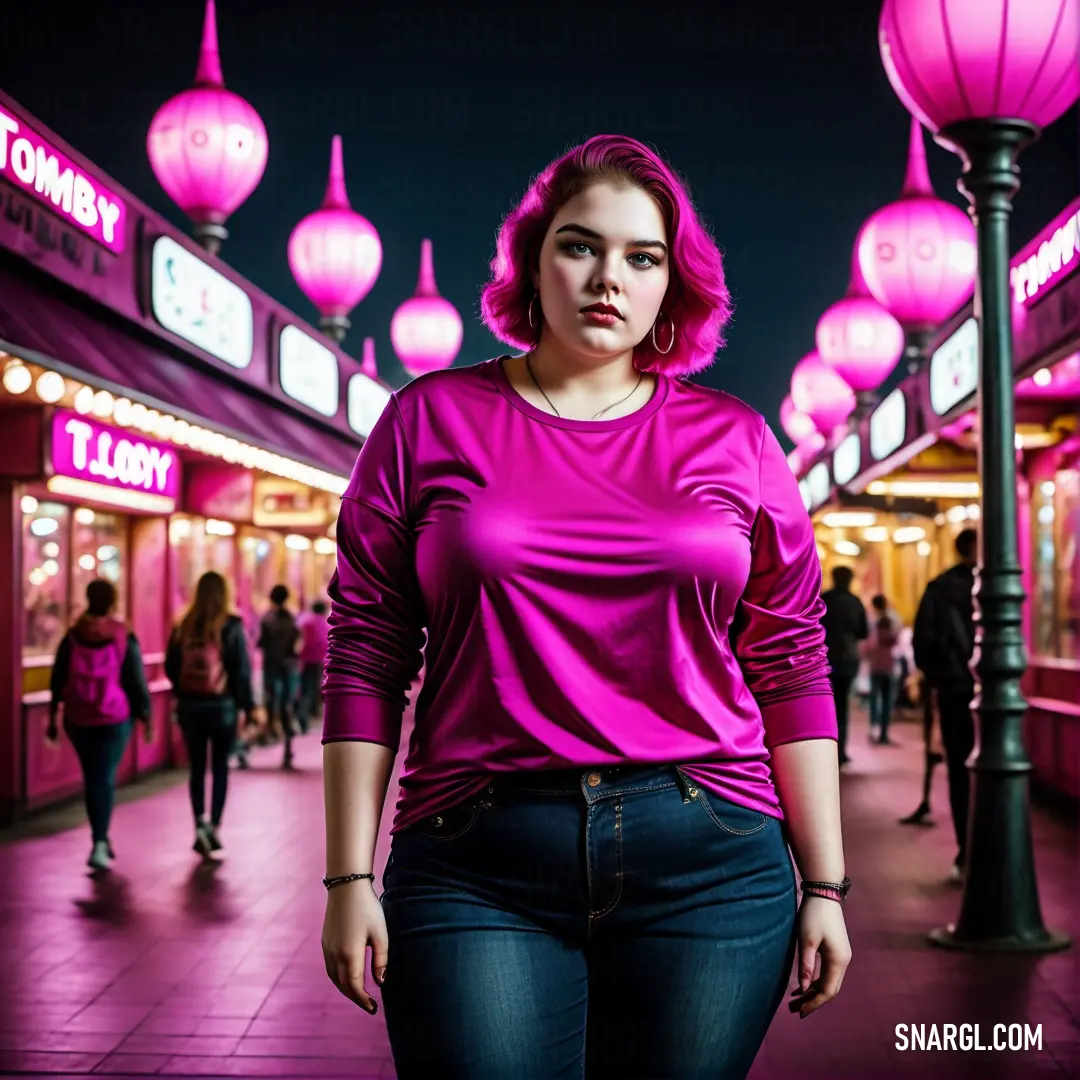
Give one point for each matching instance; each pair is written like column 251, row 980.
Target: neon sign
column 37, row 168
column 86, row 450
column 1050, row 257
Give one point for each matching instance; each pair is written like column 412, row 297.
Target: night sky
column 778, row 113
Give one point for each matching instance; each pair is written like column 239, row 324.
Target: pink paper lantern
column 917, row 255
column 426, row 331
column 797, row 425
column 335, row 253
column 818, row 391
column 207, row 146
column 859, row 339
column 368, row 366
column 953, row 60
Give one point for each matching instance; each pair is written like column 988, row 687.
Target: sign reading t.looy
column 86, row 450
column 308, row 371
column 888, row 425
column 367, row 399
column 33, row 166
column 1052, row 256
column 954, row 368
column 195, row 302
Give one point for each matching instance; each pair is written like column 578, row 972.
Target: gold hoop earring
column 671, row 343
column 532, row 320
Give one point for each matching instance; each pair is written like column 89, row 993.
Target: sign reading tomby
column 86, row 450
column 200, row 305
column 32, row 165
column 308, row 371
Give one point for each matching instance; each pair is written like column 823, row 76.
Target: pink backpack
column 94, row 693
column 202, row 669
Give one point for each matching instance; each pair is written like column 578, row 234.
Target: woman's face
column 607, row 245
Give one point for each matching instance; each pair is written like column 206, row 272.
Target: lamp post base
column 335, row 326
column 211, row 235
column 945, row 937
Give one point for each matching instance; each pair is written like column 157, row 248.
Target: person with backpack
column 881, row 659
column 944, row 642
column 279, row 640
column 207, row 663
column 99, row 679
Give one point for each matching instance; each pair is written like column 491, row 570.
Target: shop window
column 98, row 550
column 1056, row 599
column 263, row 556
column 46, row 547
column 197, row 545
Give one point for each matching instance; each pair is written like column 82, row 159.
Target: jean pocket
column 450, row 824
column 728, row 816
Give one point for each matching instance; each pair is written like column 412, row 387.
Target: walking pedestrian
column 99, row 682
column 944, row 642
column 279, row 640
column 845, row 627
column 207, row 663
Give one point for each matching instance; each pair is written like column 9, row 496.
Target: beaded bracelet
column 333, row 882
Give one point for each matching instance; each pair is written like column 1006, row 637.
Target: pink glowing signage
column 86, row 450
column 1051, row 257
column 33, row 166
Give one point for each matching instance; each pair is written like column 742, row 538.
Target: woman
column 98, row 677
column 881, row 660
column 625, row 674
column 207, row 663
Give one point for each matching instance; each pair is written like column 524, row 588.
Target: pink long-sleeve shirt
column 642, row 590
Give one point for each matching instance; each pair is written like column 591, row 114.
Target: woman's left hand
column 822, row 933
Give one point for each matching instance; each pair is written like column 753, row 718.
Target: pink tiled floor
column 166, row 967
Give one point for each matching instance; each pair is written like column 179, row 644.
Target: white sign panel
column 200, row 305
column 847, row 459
column 818, row 484
column 888, row 425
column 366, row 401
column 954, row 368
column 308, row 371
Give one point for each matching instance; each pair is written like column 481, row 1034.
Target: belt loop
column 684, row 785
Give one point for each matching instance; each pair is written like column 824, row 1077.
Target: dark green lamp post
column 985, row 76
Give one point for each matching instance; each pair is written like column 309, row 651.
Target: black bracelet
column 333, row 882
column 841, row 888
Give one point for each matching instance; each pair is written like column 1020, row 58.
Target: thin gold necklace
column 528, row 368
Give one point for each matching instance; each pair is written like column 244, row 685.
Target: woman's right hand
column 354, row 920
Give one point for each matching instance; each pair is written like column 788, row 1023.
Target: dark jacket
column 278, row 638
column 944, row 634
column 234, row 658
column 845, row 626
column 97, row 631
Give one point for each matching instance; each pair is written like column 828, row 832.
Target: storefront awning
column 43, row 329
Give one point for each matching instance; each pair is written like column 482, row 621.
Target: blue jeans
column 281, row 684
column 881, row 703
column 608, row 923
column 100, row 749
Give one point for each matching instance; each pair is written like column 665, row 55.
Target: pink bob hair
column 697, row 298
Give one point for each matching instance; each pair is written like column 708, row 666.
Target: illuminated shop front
column 889, row 498
column 162, row 417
